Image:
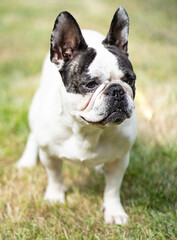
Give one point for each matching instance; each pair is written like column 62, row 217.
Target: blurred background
column 25, row 29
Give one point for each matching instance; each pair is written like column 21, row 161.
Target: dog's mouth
column 116, row 117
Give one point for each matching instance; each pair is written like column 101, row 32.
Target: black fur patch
column 75, row 73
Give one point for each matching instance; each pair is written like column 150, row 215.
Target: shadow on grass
column 90, row 182
column 150, row 181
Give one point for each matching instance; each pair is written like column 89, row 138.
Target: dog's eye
column 131, row 83
column 91, row 84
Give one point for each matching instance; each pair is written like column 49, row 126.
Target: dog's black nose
column 115, row 90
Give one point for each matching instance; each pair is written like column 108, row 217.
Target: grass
column 149, row 187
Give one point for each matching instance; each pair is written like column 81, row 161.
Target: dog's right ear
column 66, row 40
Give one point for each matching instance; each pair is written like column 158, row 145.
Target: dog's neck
column 87, row 135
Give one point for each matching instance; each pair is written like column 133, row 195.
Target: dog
column 83, row 111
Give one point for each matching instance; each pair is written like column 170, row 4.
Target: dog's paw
column 54, row 198
column 121, row 219
column 25, row 163
column 54, row 195
column 115, row 215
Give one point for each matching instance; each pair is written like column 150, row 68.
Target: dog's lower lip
column 108, row 119
column 103, row 121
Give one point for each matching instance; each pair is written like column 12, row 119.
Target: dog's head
column 98, row 81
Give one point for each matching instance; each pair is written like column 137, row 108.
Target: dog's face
column 99, row 82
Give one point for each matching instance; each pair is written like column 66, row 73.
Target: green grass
column 149, row 187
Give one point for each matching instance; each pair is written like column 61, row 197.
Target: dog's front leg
column 112, row 207
column 56, row 189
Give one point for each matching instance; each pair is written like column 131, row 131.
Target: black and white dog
column 83, row 111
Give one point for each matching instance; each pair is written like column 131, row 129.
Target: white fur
column 100, row 67
column 59, row 133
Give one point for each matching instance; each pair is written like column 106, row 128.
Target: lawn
column 149, row 192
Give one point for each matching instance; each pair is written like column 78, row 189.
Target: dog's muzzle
column 110, row 104
column 117, row 103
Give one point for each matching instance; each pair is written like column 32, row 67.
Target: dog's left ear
column 119, row 31
column 66, row 40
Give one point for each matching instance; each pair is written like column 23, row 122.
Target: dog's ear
column 66, row 40
column 119, row 31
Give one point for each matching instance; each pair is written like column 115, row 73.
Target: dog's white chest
column 89, row 146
